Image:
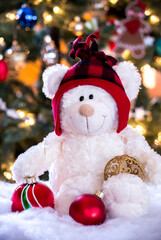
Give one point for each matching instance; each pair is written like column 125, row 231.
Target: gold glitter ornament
column 124, row 164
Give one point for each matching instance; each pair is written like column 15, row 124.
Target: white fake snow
column 46, row 224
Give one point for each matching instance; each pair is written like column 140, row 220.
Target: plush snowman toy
column 91, row 104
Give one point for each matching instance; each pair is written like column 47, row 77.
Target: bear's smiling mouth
column 88, row 125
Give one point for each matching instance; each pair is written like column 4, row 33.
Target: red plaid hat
column 95, row 68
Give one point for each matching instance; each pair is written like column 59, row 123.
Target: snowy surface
column 45, row 224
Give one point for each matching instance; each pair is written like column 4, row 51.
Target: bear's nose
column 86, row 110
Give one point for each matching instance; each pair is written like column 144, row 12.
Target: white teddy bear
column 91, row 108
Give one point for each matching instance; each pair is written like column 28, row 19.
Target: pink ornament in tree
column 3, row 70
column 132, row 31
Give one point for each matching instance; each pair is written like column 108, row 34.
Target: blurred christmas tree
column 34, row 35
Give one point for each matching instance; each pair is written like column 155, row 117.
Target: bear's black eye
column 81, row 98
column 91, row 96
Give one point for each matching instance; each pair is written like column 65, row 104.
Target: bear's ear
column 130, row 78
column 52, row 77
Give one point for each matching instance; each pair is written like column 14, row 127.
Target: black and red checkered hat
column 95, row 68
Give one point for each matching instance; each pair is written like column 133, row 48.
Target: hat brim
column 119, row 95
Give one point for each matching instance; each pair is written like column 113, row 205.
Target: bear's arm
column 33, row 162
column 137, row 147
column 29, row 163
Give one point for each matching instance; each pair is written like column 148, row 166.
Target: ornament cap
column 99, row 194
column 30, row 179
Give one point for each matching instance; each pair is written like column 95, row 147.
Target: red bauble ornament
column 88, row 209
column 32, row 195
column 112, row 45
column 3, row 70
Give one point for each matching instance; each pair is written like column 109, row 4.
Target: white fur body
column 77, row 162
column 76, row 159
